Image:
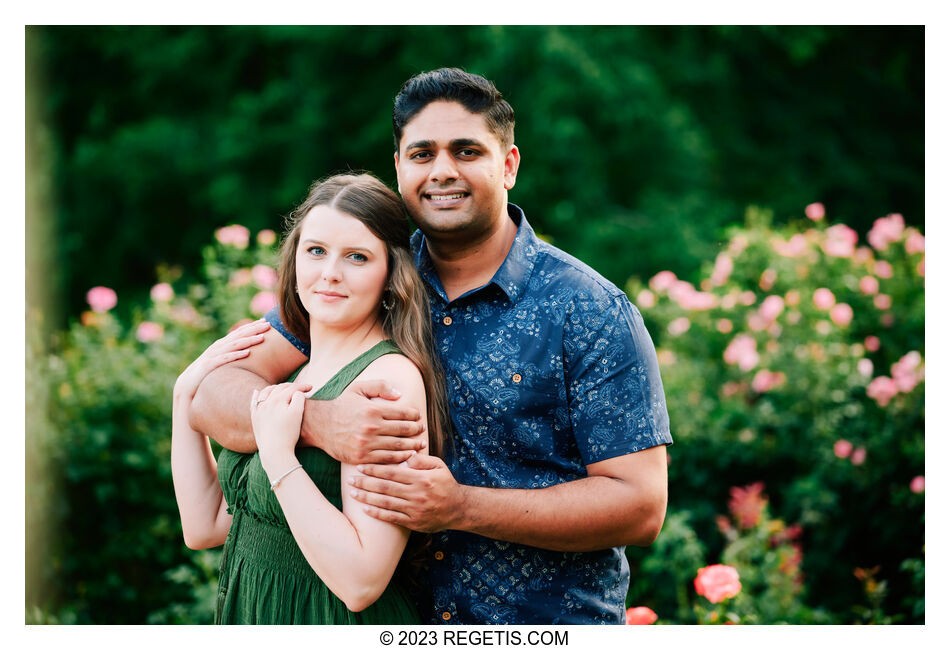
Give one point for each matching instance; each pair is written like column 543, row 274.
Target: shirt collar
column 511, row 277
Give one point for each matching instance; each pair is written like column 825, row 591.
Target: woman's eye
column 358, row 257
column 315, row 250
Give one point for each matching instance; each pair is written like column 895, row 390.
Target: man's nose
column 444, row 168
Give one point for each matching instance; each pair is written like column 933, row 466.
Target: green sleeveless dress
column 265, row 578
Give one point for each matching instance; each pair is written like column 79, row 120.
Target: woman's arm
column 353, row 553
column 204, row 518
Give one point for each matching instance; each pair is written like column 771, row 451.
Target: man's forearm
column 584, row 515
column 221, row 408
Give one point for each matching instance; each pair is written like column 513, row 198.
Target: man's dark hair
column 476, row 93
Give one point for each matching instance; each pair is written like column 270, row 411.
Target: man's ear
column 396, row 161
column 512, row 160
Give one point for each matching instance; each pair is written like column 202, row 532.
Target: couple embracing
column 464, row 425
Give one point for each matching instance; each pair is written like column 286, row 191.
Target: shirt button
column 516, row 378
column 439, row 555
column 446, row 616
column 447, row 320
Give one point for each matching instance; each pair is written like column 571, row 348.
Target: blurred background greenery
column 642, row 150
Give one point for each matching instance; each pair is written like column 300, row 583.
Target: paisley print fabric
column 549, row 368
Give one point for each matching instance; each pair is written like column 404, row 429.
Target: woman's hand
column 236, row 345
column 276, row 413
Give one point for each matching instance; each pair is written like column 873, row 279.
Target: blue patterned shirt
column 549, row 368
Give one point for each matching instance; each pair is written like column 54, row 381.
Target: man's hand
column 420, row 494
column 365, row 424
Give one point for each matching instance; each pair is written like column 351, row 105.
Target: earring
column 387, row 301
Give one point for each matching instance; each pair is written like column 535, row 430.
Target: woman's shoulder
column 395, row 368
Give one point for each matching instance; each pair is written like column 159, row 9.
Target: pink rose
column 264, row 276
column 766, row 380
column 721, row 270
column 915, row 241
column 859, row 455
column 823, row 298
column 883, row 269
column 747, row 298
column 240, row 278
column 882, row 390
column 794, row 247
column 866, row 367
column 767, row 279
column 917, row 484
column 920, row 269
column 646, row 299
column 234, row 235
column 724, row 325
column 863, row 255
column 872, row 343
column 266, row 237
column 792, row 297
column 741, row 351
column 869, row 285
column 840, row 241
column 101, row 299
column 678, row 326
column 717, row 582
column 263, row 302
column 843, row 449
column 162, row 292
column 641, row 616
column 886, row 230
column 841, row 314
column 907, row 372
column 882, row 301
column 148, row 332
column 771, row 307
column 815, row 211
column 662, row 280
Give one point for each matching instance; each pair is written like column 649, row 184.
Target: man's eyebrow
column 420, row 144
column 467, row 142
column 458, row 142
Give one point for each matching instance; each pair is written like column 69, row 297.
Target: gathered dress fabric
column 265, row 578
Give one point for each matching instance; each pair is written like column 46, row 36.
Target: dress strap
column 345, row 376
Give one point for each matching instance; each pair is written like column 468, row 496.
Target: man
column 559, row 456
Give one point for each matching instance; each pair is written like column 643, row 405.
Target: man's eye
column 468, row 153
column 420, row 155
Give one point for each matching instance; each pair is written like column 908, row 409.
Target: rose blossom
column 646, row 299
column 907, row 372
column 264, row 276
column 882, row 390
column 721, row 270
column 234, row 235
column 765, row 380
column 882, row 301
column 917, row 484
column 771, row 307
column 841, row 314
column 843, row 449
column 162, row 292
column 240, row 278
column 794, row 247
column 747, row 298
column 815, row 211
column 724, row 325
column 823, row 298
column 883, row 269
column 678, row 326
column 641, row 616
column 865, row 367
column 741, row 350
column 859, row 455
column 872, row 343
column 263, row 302
column 148, row 331
column 662, row 280
column 915, row 242
column 869, row 285
column 767, row 279
column 717, row 582
column 840, row 241
column 792, row 297
column 101, row 299
column 886, row 230
column 266, row 237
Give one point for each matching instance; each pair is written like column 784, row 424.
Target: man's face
column 453, row 174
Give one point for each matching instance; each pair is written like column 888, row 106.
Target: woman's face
column 341, row 269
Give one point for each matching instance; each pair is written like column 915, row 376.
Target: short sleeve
column 273, row 317
column 615, row 395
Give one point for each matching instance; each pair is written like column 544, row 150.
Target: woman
column 298, row 547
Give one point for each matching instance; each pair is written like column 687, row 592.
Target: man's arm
column 366, row 424
column 621, row 502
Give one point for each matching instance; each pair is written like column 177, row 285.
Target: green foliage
column 105, row 537
column 823, row 404
column 638, row 143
